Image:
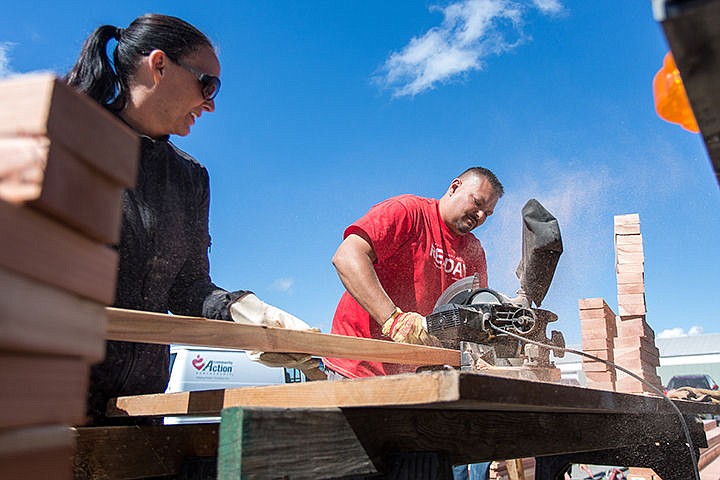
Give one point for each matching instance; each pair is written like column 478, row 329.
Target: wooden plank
column 631, row 310
column 639, row 364
column 644, row 343
column 646, row 352
column 629, row 248
column 148, row 327
column 37, row 453
column 590, row 345
column 486, row 435
column 37, row 246
column 634, row 327
column 595, row 335
column 141, row 451
column 627, row 219
column 515, row 469
column 409, row 389
column 629, row 229
column 42, row 105
column 710, row 454
column 499, row 469
column 36, row 390
column 38, row 318
column 607, row 326
column 261, row 443
column 630, row 258
column 591, row 303
column 631, row 299
column 632, row 278
column 625, row 288
column 262, row 438
column 597, row 313
column 606, row 354
column 623, row 268
column 594, row 367
column 601, row 377
column 46, row 176
column 443, row 389
column 628, row 239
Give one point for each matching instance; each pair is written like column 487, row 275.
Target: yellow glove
column 408, row 327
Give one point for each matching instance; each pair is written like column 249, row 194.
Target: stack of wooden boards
column 635, row 344
column 598, row 332
column 625, row 339
column 64, row 163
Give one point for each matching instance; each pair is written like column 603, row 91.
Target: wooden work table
column 432, row 420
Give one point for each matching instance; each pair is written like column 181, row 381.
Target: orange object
column 671, row 102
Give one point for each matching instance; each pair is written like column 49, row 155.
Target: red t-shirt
column 418, row 257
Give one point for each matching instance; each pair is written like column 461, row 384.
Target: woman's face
column 181, row 102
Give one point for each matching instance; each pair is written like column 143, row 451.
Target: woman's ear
column 157, row 61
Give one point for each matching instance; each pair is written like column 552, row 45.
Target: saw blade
column 465, row 284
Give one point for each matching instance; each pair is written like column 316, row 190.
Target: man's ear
column 157, row 61
column 454, row 186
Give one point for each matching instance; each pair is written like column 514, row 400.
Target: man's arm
column 353, row 261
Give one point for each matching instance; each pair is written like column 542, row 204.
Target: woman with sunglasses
column 163, row 77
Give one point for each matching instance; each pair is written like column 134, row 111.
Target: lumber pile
column 709, row 454
column 597, row 322
column 635, row 346
column 64, row 162
column 625, row 339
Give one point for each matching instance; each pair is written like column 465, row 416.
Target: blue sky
column 329, row 107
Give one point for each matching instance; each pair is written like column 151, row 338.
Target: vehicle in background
column 695, row 381
column 203, row 368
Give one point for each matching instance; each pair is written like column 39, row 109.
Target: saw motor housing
column 483, row 317
column 495, row 329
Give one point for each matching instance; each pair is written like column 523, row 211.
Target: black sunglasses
column 209, row 84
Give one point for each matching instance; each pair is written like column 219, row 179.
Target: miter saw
column 489, row 327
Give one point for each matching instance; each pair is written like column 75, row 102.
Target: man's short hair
column 490, row 176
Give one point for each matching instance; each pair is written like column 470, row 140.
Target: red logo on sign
column 198, row 362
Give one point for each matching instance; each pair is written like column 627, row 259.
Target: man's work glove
column 250, row 310
column 408, row 327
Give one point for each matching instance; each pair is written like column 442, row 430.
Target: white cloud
column 470, row 31
column 548, row 6
column 680, row 332
column 283, row 285
column 5, row 69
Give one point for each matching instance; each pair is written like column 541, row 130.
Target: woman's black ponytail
column 108, row 83
column 93, row 74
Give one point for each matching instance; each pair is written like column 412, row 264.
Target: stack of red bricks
column 64, row 162
column 635, row 343
column 597, row 323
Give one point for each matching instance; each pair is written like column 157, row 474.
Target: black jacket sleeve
column 193, row 293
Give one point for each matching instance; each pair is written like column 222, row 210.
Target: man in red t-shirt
column 396, row 261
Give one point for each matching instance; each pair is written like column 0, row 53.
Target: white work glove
column 251, row 310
